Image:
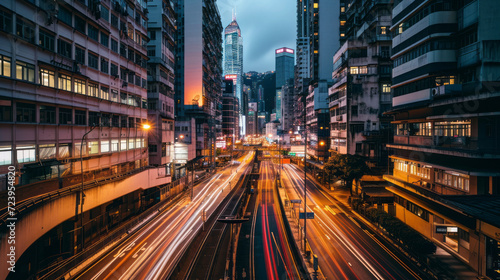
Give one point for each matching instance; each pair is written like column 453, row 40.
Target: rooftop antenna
column 234, row 14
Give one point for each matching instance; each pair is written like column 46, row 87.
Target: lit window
column 25, row 71
column 342, row 9
column 64, row 150
column 123, row 145
column 342, row 22
column 93, row 90
column 47, row 78
column 363, row 70
column 386, row 88
column 5, row 155
column 114, row 145
column 400, row 29
column 47, row 151
column 342, row 35
column 93, row 147
column 104, row 146
column 25, row 153
column 138, row 143
column 316, row 5
column 80, row 87
column 64, row 82
column 354, row 70
column 131, row 143
column 5, row 63
column 383, row 30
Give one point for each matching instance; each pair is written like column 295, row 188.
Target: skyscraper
column 285, row 60
column 233, row 62
column 199, row 69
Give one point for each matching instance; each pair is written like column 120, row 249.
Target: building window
column 131, row 143
column 93, row 61
column 114, row 95
column 64, row 15
column 47, row 114
column 64, row 82
column 80, row 24
column 114, row 145
column 104, row 13
column 46, row 40
column 354, row 70
column 114, row 20
column 386, row 88
column 93, row 90
column 104, row 66
column 123, row 50
column 383, row 30
column 5, row 153
column 25, row 71
column 80, row 55
column 123, row 145
column 25, row 112
column 25, row 153
column 104, row 93
column 80, row 117
column 5, row 66
column 94, row 118
column 65, row 116
column 115, row 121
column 138, row 143
column 47, row 151
column 80, row 87
column 114, row 70
column 153, row 148
column 104, row 39
column 6, row 21
column 114, row 45
column 458, row 128
column 363, row 70
column 64, row 150
column 104, row 146
column 47, row 78
column 354, row 110
column 63, row 48
column 93, row 147
column 25, row 29
column 131, row 55
column 93, row 32
column 5, row 110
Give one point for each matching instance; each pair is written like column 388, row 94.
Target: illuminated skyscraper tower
column 233, row 63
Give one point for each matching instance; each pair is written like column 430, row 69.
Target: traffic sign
column 296, row 201
column 310, row 215
column 291, row 154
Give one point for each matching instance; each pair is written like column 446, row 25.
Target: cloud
column 265, row 26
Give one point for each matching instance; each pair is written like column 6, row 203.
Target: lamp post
column 81, row 197
column 305, row 174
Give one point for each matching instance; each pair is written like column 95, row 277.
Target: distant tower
column 233, row 62
column 285, row 60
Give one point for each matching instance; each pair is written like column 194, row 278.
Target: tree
column 346, row 167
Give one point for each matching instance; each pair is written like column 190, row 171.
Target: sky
column 266, row 25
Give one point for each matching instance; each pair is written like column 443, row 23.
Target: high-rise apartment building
column 285, row 61
column 361, row 90
column 161, row 63
column 230, row 112
column 323, row 28
column 233, row 64
column 199, row 70
column 71, row 73
column 445, row 153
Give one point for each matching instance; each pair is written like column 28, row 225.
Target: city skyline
column 271, row 31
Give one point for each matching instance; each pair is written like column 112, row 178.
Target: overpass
column 48, row 211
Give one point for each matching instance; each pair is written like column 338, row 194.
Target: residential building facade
column 445, row 153
column 361, row 92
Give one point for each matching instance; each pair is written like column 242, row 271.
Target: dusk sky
column 265, row 25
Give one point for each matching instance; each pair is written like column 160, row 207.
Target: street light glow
column 146, row 126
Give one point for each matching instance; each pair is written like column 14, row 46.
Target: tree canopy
column 346, row 167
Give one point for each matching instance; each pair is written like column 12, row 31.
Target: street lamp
column 81, row 197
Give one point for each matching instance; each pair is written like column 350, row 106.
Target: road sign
column 291, row 154
column 296, row 201
column 310, row 215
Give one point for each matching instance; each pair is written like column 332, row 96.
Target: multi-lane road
column 345, row 249
column 152, row 252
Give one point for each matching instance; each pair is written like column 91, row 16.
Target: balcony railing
column 460, row 143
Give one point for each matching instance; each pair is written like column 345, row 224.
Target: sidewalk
column 442, row 263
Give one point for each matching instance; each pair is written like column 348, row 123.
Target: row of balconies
column 450, row 142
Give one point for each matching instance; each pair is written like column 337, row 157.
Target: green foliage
column 410, row 237
column 346, row 167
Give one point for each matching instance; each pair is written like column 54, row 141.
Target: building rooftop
column 483, row 207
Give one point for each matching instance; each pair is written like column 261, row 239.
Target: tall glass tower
column 233, row 63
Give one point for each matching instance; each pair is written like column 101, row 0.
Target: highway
column 153, row 251
column 273, row 258
column 345, row 250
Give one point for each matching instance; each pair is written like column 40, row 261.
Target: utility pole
column 305, row 174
